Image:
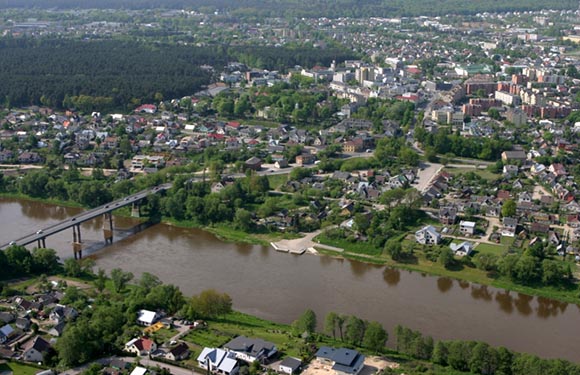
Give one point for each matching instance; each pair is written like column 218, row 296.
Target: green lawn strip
column 222, row 330
column 277, row 180
column 19, row 369
column 352, row 247
column 485, row 248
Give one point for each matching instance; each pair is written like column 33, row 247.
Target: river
column 279, row 286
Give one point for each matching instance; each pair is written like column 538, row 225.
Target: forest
column 117, row 74
column 314, row 8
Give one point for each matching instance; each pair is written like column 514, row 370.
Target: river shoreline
column 307, row 244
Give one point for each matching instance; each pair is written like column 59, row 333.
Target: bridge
column 75, row 222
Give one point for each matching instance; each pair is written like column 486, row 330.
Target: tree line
column 105, row 75
column 467, row 356
column 301, row 8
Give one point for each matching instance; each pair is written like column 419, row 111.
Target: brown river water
column 280, row 286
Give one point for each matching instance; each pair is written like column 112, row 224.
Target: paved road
column 85, row 216
column 175, row 370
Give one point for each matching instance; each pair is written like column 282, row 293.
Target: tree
column 209, row 304
column 306, row 323
column 44, row 260
column 485, row 262
column 243, row 219
column 19, row 260
column 120, row 279
column 330, row 324
column 375, row 337
column 148, row 281
column 553, row 272
column 509, row 208
column 72, row 267
column 394, row 248
column 101, row 280
column 527, row 269
column 440, row 353
column 355, row 330
column 445, row 257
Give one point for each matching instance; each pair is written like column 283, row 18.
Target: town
column 441, row 144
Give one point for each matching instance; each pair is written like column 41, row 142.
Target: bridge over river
column 39, row 236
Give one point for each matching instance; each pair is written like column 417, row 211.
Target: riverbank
column 418, row 264
column 472, row 275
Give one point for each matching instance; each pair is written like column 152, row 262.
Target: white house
column 462, row 249
column 139, row 371
column 146, row 317
column 467, row 227
column 428, row 236
column 290, row 365
column 218, row 361
column 141, row 346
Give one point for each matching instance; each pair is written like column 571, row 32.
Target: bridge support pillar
column 44, row 242
column 108, row 232
column 136, row 209
column 78, row 250
column 77, row 242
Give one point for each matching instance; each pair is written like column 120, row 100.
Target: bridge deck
column 85, row 216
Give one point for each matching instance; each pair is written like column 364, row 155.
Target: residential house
column 290, row 365
column 218, row 361
column 343, row 361
column 250, row 349
column 6, row 317
column 29, row 158
column 509, row 225
column 510, row 170
column 58, row 329
column 524, row 196
column 253, row 163
column 23, row 323
column 61, row 313
column 462, row 249
column 513, row 156
column 283, row 163
column 34, row 349
column 146, row 317
column 467, row 227
column 428, row 236
column 139, row 371
column 179, row 352
column 305, row 159
column 447, row 215
column 539, row 228
column 5, row 333
column 141, row 346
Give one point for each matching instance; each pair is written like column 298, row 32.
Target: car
column 74, row 219
column 39, row 231
column 12, row 243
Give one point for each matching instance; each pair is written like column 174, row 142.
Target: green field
column 18, row 368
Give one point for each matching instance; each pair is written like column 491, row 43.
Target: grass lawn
column 222, row 330
column 357, row 247
column 18, row 369
column 164, row 334
column 483, row 173
column 277, row 180
column 491, row 249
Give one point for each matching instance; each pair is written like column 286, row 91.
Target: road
column 175, row 370
column 85, row 216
